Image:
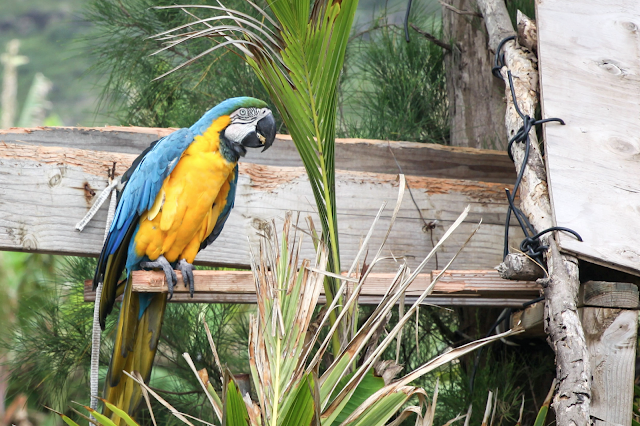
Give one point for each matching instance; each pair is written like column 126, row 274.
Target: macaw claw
column 162, row 263
column 187, row 275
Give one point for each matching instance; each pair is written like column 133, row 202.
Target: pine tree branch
column 458, row 11
column 432, row 38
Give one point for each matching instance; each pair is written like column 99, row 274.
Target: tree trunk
column 476, row 99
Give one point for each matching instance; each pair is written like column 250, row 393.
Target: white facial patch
column 236, row 132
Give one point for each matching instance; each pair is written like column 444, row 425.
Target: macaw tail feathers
column 134, row 349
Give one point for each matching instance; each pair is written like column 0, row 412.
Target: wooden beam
column 519, row 266
column 473, row 288
column 589, row 73
column 417, row 159
column 610, row 320
column 44, row 191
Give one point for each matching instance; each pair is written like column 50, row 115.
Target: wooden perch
column 562, row 324
column 472, row 288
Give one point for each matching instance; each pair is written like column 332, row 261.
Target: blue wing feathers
column 145, row 182
column 115, row 239
column 146, row 192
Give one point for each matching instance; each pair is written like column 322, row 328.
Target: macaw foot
column 162, row 263
column 187, row 274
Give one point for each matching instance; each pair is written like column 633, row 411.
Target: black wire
column 498, row 62
column 531, row 302
column 530, row 245
column 406, row 21
column 504, row 316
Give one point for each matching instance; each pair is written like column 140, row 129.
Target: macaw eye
column 242, row 112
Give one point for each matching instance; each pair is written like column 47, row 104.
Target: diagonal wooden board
column 44, row 191
column 589, row 60
column 361, row 155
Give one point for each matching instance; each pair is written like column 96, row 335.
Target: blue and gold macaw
column 176, row 198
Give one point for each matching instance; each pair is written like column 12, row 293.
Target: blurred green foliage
column 121, row 50
column 51, row 36
column 394, row 90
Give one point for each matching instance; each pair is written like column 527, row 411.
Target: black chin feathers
column 251, row 140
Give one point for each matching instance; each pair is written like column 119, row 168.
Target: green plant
column 121, row 50
column 49, row 347
column 286, row 354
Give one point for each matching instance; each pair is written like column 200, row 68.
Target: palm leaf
column 298, row 55
column 235, row 411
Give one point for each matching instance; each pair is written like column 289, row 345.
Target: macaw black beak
column 266, row 128
column 264, row 134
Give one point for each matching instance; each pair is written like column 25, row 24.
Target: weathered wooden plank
column 590, row 77
column 603, row 294
column 478, row 288
column 531, row 319
column 44, row 191
column 611, row 336
column 362, row 155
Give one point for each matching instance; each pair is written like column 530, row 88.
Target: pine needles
column 395, row 90
column 122, row 49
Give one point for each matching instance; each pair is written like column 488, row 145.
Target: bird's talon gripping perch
column 169, row 273
column 187, row 275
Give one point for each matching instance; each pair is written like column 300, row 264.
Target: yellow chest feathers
column 189, row 202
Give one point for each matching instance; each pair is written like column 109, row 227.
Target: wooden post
column 610, row 321
column 562, row 324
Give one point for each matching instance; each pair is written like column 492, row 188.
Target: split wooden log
column 610, row 319
column 518, row 266
column 562, row 324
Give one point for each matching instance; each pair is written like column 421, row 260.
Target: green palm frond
column 298, row 54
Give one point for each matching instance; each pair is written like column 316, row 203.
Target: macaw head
column 251, row 128
column 251, row 124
